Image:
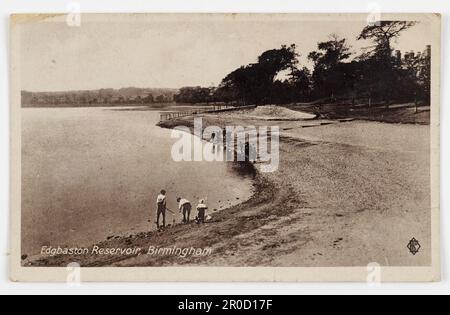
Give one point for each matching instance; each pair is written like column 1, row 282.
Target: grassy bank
column 397, row 113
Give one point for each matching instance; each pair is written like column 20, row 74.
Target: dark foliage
column 377, row 75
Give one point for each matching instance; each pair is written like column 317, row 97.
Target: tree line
column 125, row 96
column 378, row 74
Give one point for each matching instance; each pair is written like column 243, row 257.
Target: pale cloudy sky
column 150, row 51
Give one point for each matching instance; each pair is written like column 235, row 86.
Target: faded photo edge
column 225, row 274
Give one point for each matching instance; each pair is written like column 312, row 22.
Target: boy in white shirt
column 185, row 208
column 201, row 208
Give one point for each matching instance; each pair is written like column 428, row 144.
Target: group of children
column 184, row 206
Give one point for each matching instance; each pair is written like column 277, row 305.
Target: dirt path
column 345, row 195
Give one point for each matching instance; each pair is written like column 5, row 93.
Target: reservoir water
column 91, row 173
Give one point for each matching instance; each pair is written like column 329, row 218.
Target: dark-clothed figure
column 161, row 204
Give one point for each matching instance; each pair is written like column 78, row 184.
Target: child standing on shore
column 185, row 207
column 161, row 205
column 201, row 208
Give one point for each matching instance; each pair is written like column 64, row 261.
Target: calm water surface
column 90, row 173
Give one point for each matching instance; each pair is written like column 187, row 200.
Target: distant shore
column 97, row 105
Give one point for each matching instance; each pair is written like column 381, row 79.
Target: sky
column 171, row 52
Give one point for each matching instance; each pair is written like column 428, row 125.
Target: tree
column 382, row 34
column 276, row 60
column 160, row 99
column 331, row 52
column 328, row 60
column 194, row 95
column 255, row 83
column 424, row 75
column 148, row 99
column 381, row 57
column 300, row 80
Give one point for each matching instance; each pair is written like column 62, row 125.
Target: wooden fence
column 214, row 109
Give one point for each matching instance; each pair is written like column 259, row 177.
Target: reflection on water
column 243, row 169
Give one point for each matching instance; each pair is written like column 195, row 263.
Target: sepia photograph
column 225, row 147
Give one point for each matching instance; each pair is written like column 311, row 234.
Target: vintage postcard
column 225, row 147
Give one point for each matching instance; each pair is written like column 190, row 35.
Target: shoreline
column 143, row 241
column 137, row 242
column 312, row 212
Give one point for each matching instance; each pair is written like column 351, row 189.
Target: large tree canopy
column 329, row 75
column 255, row 83
column 382, row 75
column 382, row 34
column 331, row 53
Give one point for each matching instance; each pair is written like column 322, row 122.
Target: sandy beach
column 346, row 194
